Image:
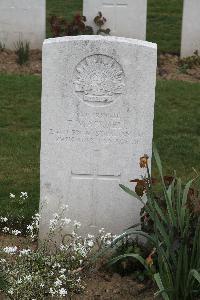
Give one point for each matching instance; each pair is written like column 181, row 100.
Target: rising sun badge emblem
column 99, row 79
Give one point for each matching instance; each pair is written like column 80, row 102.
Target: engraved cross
column 94, row 175
column 115, row 6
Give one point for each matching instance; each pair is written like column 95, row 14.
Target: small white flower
column 24, row 195
column 108, row 235
column 56, row 265
column 24, row 252
column 62, row 271
column 37, row 215
column 52, row 224
column 101, row 230
column 52, row 292
column 3, row 219
column 65, row 207
column 41, row 285
column 58, row 282
column 19, row 281
column 10, row 250
column 78, row 280
column 5, row 229
column 62, row 292
column 55, row 216
column 90, row 236
column 16, row 232
column 108, row 242
column 12, row 195
column 90, row 243
column 63, row 247
column 77, row 224
column 29, row 227
column 10, row 291
column 28, row 277
column 66, row 221
column 73, row 233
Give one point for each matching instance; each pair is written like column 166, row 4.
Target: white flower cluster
column 3, row 219
column 33, row 228
column 62, row 292
column 12, row 196
column 10, row 250
column 59, row 221
column 61, row 272
column 6, row 229
column 24, row 252
column 24, row 195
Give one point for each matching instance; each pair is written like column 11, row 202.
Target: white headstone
column 22, row 20
column 97, row 120
column 190, row 28
column 126, row 18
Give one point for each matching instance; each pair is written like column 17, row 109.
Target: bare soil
column 168, row 66
column 169, row 69
column 9, row 65
column 99, row 285
column 103, row 286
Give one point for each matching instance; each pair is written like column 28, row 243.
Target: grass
column 163, row 22
column 176, row 133
column 176, row 126
column 20, row 136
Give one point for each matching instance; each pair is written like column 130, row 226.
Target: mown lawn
column 163, row 22
column 176, row 133
column 19, row 139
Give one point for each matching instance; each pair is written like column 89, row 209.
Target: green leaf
column 132, row 255
column 121, row 237
column 161, row 287
column 158, row 161
column 132, row 193
column 195, row 274
column 167, row 198
column 183, row 204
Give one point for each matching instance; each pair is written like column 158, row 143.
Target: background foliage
column 163, row 20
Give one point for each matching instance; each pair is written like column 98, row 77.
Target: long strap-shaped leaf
column 161, row 287
column 195, row 274
column 132, row 255
column 167, row 198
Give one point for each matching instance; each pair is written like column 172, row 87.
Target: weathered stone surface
column 126, row 18
column 97, row 120
column 22, row 20
column 190, row 28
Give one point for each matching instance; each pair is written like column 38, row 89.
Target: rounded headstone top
column 100, row 38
